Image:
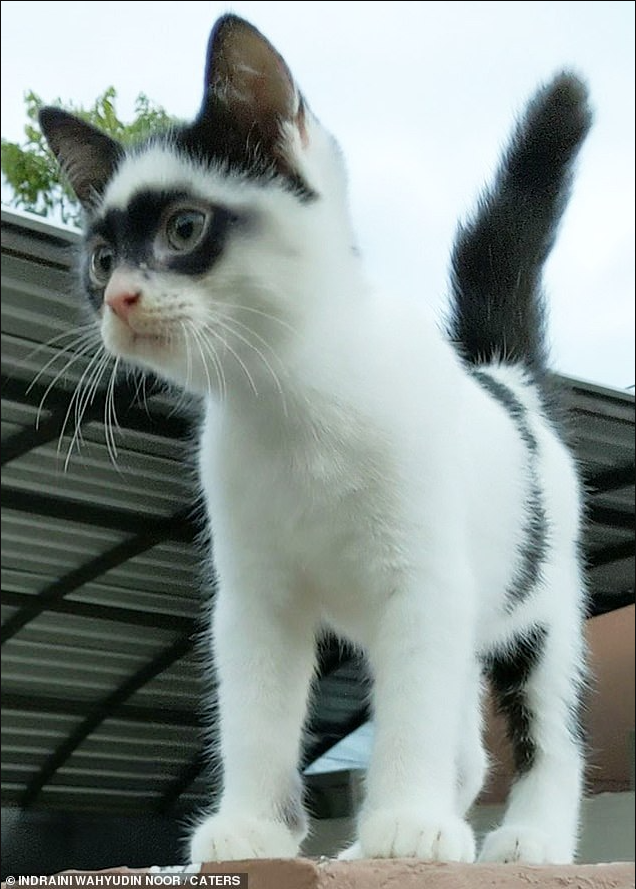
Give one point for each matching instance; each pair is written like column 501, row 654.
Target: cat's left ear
column 251, row 79
column 87, row 156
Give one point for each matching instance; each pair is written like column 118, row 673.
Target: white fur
column 357, row 477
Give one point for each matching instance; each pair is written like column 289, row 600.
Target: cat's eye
column 185, row 229
column 102, row 264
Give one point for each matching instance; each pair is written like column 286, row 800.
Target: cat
column 363, row 470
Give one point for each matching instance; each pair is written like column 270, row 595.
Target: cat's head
column 204, row 244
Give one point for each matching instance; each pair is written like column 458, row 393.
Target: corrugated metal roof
column 101, row 577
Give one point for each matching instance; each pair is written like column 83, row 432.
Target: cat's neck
column 353, row 353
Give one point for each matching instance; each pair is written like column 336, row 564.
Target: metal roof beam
column 86, row 573
column 34, row 437
column 329, row 738
column 612, row 518
column 32, row 604
column 45, row 704
column 608, row 554
column 602, row 602
column 179, row 526
column 101, row 711
column 332, row 654
column 130, row 415
column 188, row 774
column 613, row 479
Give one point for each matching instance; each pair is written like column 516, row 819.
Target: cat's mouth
column 143, row 338
column 125, row 339
column 151, row 338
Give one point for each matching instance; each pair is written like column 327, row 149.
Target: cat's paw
column 523, row 844
column 411, row 834
column 226, row 838
column 351, row 853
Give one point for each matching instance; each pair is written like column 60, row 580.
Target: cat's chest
column 313, row 492
column 300, row 478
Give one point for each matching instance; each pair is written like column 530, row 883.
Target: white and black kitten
column 361, row 470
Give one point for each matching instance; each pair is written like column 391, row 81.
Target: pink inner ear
column 270, row 81
column 300, row 124
column 250, row 69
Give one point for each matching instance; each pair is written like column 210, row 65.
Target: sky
column 421, row 97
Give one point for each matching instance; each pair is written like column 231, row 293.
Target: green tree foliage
column 32, row 172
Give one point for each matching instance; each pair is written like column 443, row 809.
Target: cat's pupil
column 106, row 262
column 102, row 262
column 184, row 229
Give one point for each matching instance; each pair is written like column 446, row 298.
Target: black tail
column 498, row 309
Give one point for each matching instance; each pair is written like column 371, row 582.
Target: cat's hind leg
column 472, row 759
column 537, row 684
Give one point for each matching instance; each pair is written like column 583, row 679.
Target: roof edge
column 31, row 222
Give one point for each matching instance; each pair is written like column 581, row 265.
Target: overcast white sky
column 421, row 97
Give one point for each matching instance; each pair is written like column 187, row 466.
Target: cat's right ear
column 249, row 79
column 87, row 156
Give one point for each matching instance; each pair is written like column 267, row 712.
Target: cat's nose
column 121, row 295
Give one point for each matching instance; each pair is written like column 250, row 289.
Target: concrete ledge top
column 304, row 873
column 405, row 873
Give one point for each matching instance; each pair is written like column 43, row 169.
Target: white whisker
column 226, row 317
column 96, row 366
column 201, row 342
column 90, row 389
column 225, row 324
column 236, row 356
column 77, row 356
column 191, row 329
column 264, row 314
column 77, row 334
column 110, row 415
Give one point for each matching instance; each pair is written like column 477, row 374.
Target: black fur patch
column 509, row 673
column 498, row 308
column 533, row 550
column 216, row 138
column 292, row 814
column 132, row 233
column 290, row 810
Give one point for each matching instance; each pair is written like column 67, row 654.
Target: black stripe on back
column 533, row 550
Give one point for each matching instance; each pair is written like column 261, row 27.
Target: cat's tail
column 498, row 309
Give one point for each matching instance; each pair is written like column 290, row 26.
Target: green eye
column 185, row 229
column 102, row 264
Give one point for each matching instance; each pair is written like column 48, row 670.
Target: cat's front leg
column 264, row 658
column 420, row 658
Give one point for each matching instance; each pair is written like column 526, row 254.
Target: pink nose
column 121, row 300
column 121, row 295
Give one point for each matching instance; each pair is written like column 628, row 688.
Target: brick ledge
column 408, row 873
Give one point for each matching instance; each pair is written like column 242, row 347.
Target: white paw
column 351, row 853
column 411, row 834
column 226, row 838
column 525, row 844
